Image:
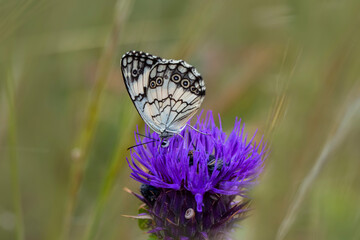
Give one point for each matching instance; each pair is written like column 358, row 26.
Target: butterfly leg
column 180, row 136
column 197, row 130
column 184, row 139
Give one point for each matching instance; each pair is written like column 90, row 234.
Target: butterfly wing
column 135, row 67
column 166, row 93
column 175, row 93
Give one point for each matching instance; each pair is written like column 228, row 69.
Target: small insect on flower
column 166, row 93
column 196, row 188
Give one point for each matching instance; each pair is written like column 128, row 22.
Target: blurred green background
column 290, row 69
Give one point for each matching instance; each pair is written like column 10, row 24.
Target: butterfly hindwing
column 175, row 93
column 166, row 93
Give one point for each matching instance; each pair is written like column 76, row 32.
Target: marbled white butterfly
column 166, row 93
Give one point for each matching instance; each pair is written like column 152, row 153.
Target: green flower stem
column 13, row 159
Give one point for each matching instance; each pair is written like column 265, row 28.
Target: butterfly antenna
column 143, row 135
column 140, row 144
column 197, row 130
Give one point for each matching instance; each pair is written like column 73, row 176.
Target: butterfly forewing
column 135, row 68
column 166, row 93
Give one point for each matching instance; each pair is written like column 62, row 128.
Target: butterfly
column 165, row 92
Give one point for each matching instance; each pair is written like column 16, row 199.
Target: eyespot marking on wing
column 166, row 93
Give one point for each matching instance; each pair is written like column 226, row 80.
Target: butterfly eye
column 152, row 84
column 176, row 78
column 159, row 81
column 134, row 72
column 185, row 83
column 164, row 143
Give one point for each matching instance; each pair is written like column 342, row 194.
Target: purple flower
column 191, row 188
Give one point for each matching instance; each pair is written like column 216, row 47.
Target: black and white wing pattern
column 166, row 93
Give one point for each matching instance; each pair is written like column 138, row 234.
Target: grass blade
column 81, row 149
column 329, row 147
column 13, row 158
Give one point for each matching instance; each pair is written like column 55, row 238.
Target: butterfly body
column 166, row 93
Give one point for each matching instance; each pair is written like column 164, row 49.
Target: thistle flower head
column 190, row 187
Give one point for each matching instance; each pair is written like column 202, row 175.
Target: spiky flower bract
column 196, row 188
